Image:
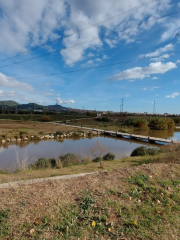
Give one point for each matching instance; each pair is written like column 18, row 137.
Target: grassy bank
column 139, row 202
column 89, row 167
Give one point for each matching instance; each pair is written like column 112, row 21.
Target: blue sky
column 82, row 34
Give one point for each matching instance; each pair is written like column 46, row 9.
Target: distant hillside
column 30, row 105
column 56, row 107
column 9, row 103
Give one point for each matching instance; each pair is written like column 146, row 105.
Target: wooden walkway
column 125, row 135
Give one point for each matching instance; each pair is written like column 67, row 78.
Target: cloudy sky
column 91, row 53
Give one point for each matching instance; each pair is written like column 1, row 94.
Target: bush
column 109, row 157
column 143, row 151
column 152, row 151
column 140, row 151
column 46, row 119
column 86, row 160
column 69, row 159
column 97, row 159
column 59, row 133
column 104, row 119
column 43, row 163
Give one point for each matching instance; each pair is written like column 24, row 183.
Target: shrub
column 59, row 133
column 152, row 151
column 43, row 163
column 22, row 132
column 46, row 119
column 69, row 159
column 104, row 119
column 86, row 160
column 140, row 151
column 97, row 159
column 109, row 157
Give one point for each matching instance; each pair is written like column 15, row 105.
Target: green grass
column 145, row 209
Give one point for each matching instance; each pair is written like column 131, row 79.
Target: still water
column 10, row 154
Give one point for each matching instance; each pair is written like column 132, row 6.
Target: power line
column 113, row 32
column 81, row 30
column 45, row 44
column 154, row 108
column 84, row 69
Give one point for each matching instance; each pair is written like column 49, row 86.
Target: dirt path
column 37, row 180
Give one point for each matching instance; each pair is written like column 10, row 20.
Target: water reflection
column 156, row 133
column 55, row 148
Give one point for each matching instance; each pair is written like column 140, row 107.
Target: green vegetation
column 143, row 151
column 157, row 123
column 138, row 206
column 9, row 103
column 97, row 159
column 109, row 157
column 65, row 160
column 104, row 119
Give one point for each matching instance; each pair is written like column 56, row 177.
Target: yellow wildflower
column 135, row 223
column 93, row 223
column 109, row 229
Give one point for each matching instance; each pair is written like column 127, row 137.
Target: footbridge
column 124, row 135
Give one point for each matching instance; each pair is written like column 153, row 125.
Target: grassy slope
column 139, row 202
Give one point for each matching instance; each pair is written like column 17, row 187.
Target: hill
column 9, row 103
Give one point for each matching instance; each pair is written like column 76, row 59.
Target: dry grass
column 12, row 128
column 109, row 205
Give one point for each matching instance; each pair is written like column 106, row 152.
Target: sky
column 92, row 54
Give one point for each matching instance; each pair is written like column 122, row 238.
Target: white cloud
column 29, row 23
column 155, row 78
column 128, row 95
column 179, row 4
column 144, row 72
column 178, row 61
column 32, row 23
column 89, row 62
column 111, row 42
column 90, row 55
column 171, row 28
column 173, row 95
column 48, row 94
column 152, row 89
column 60, row 101
column 9, row 82
column 158, row 52
column 12, row 95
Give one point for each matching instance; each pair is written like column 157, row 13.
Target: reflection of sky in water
column 176, row 136
column 53, row 149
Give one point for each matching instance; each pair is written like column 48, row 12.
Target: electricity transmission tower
column 121, row 105
column 154, row 108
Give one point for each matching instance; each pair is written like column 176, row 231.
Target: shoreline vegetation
column 28, row 130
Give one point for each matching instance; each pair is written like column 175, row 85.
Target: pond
column 169, row 134
column 29, row 152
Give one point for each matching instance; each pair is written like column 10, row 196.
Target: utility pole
column 2, row 107
column 122, row 105
column 154, row 108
